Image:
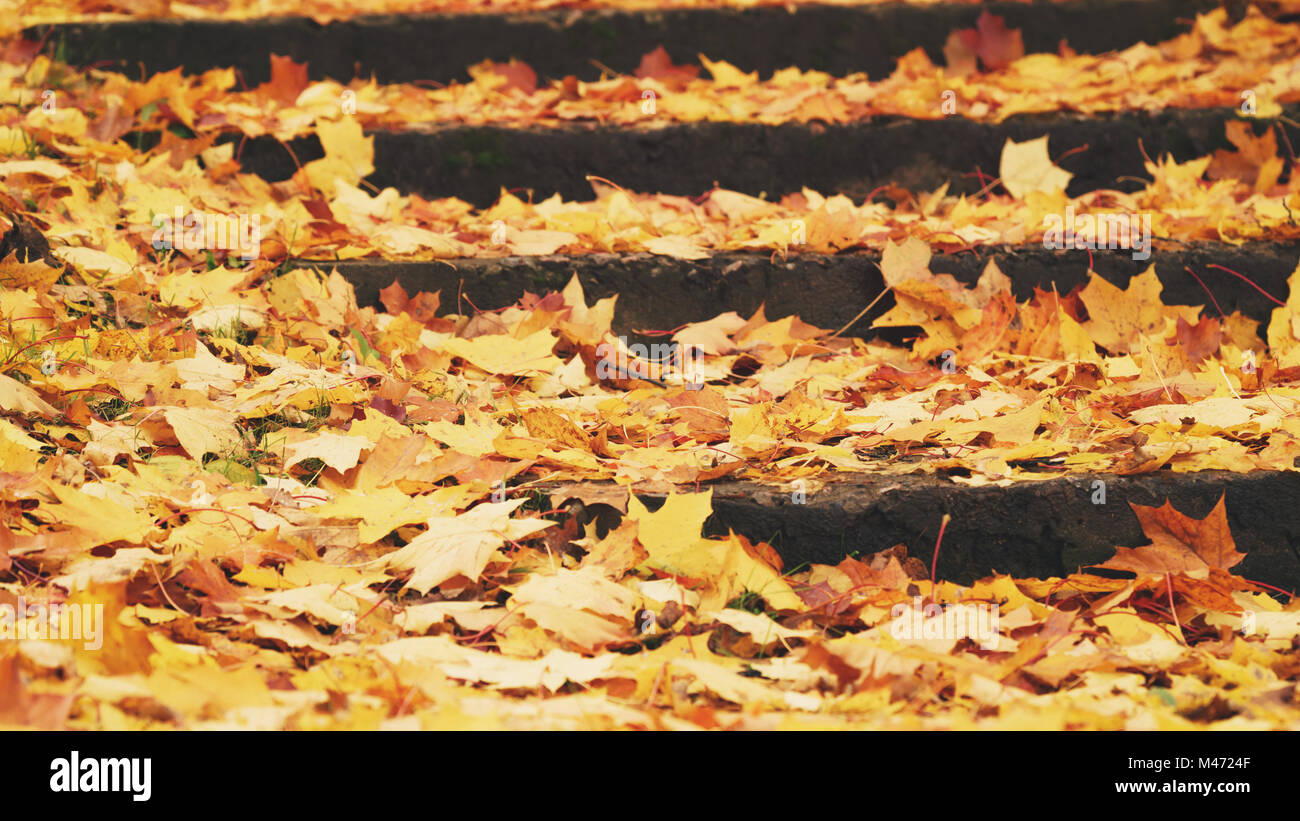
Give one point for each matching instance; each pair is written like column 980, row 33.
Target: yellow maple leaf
column 203, row 430
column 1284, row 325
column 17, row 397
column 349, row 155
column 671, row 536
column 334, row 449
column 506, row 356
column 100, row 511
column 725, row 75
column 461, row 544
column 1119, row 318
column 1027, row 167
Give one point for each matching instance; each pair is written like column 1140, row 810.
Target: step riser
column 826, row 291
column 1028, row 529
column 836, row 39
column 474, row 164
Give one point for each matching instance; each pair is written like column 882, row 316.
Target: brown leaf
column 883, row 571
column 1179, row 543
column 1213, row 593
column 960, row 51
column 761, row 551
column 220, row 596
column 1254, row 155
column 1201, row 340
column 669, row 615
column 704, row 411
column 423, row 307
column 394, row 298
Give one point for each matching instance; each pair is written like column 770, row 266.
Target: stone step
column 661, row 293
column 476, row 163
column 1034, row 529
column 839, row 39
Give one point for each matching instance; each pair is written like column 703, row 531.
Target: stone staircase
column 1042, row 528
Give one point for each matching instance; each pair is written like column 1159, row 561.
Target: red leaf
column 991, row 41
column 998, row 45
column 389, row 408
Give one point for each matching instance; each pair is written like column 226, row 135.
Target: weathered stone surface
column 476, row 163
column 403, row 48
column 658, row 293
column 1027, row 529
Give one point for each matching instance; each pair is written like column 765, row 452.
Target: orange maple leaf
column 518, row 75
column 1255, row 156
column 288, row 79
column 1179, row 543
column 658, row 65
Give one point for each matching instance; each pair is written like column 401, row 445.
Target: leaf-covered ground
column 301, row 513
column 85, row 122
column 1211, row 65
